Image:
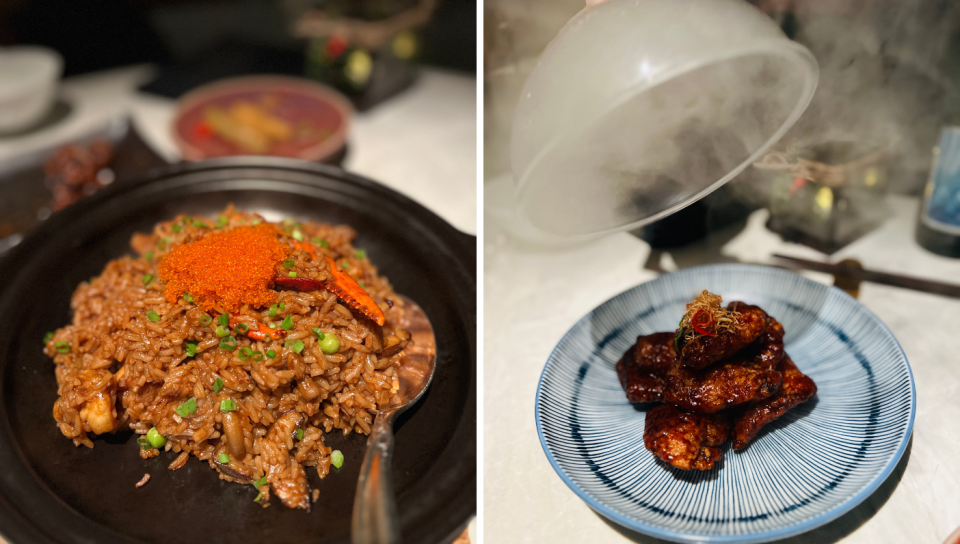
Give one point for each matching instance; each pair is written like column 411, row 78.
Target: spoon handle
column 375, row 509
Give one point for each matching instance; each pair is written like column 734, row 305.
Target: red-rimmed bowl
column 318, row 115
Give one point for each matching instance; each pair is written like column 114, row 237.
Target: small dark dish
column 51, row 491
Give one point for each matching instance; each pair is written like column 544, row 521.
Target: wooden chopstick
column 896, row 280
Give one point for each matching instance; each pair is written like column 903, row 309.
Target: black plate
column 51, row 491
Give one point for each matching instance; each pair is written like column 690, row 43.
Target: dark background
column 99, row 34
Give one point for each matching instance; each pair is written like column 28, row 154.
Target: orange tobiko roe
column 225, row 269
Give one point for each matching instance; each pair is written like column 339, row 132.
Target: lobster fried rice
column 235, row 340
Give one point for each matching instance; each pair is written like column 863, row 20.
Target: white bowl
column 28, row 85
column 640, row 107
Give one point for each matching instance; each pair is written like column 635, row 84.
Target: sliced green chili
column 187, row 407
column 229, row 343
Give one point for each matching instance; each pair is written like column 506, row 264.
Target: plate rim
column 765, row 536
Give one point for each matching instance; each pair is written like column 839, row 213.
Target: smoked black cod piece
column 703, row 350
column 643, row 367
column 686, row 441
column 797, row 388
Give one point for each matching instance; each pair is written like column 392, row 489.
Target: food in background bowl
column 280, row 116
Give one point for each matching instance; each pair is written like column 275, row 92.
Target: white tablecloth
column 533, row 296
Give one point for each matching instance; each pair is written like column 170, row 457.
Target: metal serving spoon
column 375, row 509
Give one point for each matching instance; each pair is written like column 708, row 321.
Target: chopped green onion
column 299, row 434
column 361, row 253
column 223, row 458
column 222, row 221
column 336, row 458
column 229, row 343
column 271, row 354
column 147, row 279
column 187, row 407
column 257, row 356
column 360, row 283
column 228, row 405
column 199, row 224
column 245, row 353
column 62, row 347
column 287, row 323
column 261, row 482
column 330, row 344
column 289, row 263
column 153, row 316
column 222, row 331
column 156, row 439
column 258, row 497
column 298, row 236
column 292, row 274
column 321, row 241
column 241, row 328
column 224, row 320
column 344, row 265
column 273, row 311
column 268, row 337
column 48, row 337
column 256, row 221
column 191, row 350
column 149, row 256
column 318, row 332
column 188, row 297
column 217, row 385
column 272, row 326
column 162, row 244
column 205, row 320
column 144, row 443
column 295, row 345
column 282, row 305
column 176, row 227
column 287, row 222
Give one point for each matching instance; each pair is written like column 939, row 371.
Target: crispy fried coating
column 767, row 349
column 797, row 388
column 643, row 367
column 687, row 441
column 726, row 384
column 703, row 350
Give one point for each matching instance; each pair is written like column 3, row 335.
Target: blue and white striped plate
column 807, row 468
